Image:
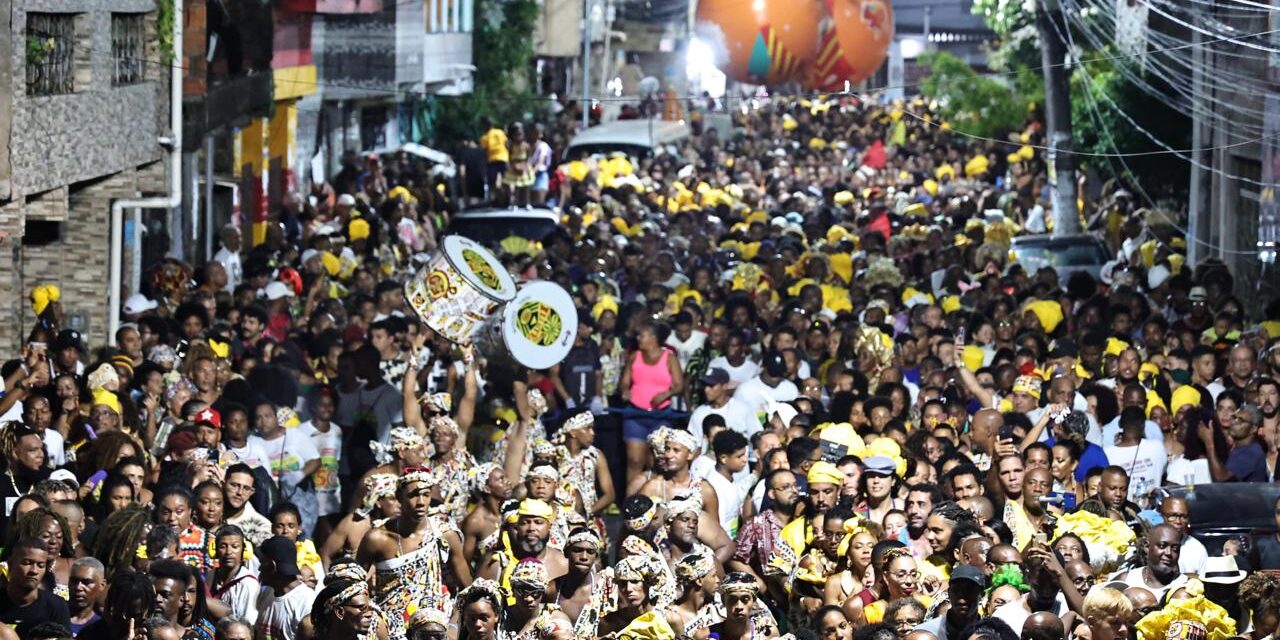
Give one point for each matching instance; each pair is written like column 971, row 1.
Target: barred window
column 127, row 48
column 50, row 48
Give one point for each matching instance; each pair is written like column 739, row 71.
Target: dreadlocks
column 32, row 524
column 119, row 537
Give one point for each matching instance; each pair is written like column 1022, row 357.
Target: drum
column 536, row 329
column 459, row 288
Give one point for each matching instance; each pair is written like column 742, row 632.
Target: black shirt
column 46, row 607
column 578, row 372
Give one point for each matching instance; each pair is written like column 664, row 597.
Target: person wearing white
column 1193, row 555
column 685, row 340
column 769, row 386
column 735, row 350
column 1144, row 460
column 720, row 401
column 229, row 256
column 730, row 450
column 285, row 600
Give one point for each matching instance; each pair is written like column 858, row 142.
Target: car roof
column 1051, row 240
column 632, row 133
column 510, row 212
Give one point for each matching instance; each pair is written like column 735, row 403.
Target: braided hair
column 119, row 536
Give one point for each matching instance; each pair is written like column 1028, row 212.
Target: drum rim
column 512, row 307
column 467, row 275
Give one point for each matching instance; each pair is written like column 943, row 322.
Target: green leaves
column 975, row 104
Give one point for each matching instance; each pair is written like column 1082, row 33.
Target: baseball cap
column 1198, row 294
column 715, row 376
column 209, row 416
column 66, row 476
column 309, row 254
column 972, row 574
column 774, row 364
column 347, row 200
column 138, row 303
column 283, row 553
column 277, row 290
column 68, row 338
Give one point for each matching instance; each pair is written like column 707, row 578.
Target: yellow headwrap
column 1048, row 313
column 973, row 357
column 43, row 295
column 1186, row 395
column 107, row 399
column 852, row 527
column 1116, row 346
column 1154, row 400
column 332, row 265
column 649, row 626
column 358, row 229
column 604, row 303
column 220, row 349
column 532, row 508
column 823, row 472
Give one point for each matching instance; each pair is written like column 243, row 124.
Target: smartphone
column 1006, row 432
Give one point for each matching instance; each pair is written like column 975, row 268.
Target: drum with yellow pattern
column 461, row 287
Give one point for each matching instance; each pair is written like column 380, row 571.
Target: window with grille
column 127, row 48
column 50, row 49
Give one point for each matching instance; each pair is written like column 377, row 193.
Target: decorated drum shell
column 536, row 329
column 459, row 288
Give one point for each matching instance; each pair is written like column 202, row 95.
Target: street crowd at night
column 813, row 391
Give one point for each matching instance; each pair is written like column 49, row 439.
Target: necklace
column 13, row 483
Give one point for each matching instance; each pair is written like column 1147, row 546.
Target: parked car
column 490, row 225
column 1066, row 254
column 1230, row 510
column 636, row 138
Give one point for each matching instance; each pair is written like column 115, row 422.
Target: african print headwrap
column 642, row 521
column 537, row 402
column 658, row 439
column 580, row 421
column 377, row 487
column 478, row 476
column 685, row 502
column 739, row 582
column 585, row 536
column 682, row 438
column 694, row 566
column 426, row 617
column 438, row 402
column 530, row 574
column 545, row 471
column 414, row 475
column 402, row 439
column 443, row 422
column 637, row 567
column 347, row 571
column 489, row 588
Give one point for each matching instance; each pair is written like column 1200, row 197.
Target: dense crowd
column 830, row 404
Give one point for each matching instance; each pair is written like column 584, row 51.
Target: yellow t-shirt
column 494, row 142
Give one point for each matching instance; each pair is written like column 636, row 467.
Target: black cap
column 283, row 553
column 774, row 364
column 972, row 574
column 1064, row 348
column 66, row 339
column 715, row 376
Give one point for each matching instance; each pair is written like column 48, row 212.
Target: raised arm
column 465, row 416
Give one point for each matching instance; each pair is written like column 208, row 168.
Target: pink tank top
column 648, row 380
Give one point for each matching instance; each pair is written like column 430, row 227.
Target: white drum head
column 540, row 325
column 479, row 268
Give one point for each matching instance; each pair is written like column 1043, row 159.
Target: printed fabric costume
column 714, row 615
column 579, row 471
column 532, row 574
column 416, row 578
column 604, row 593
column 360, row 586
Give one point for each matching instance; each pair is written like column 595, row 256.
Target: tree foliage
column 502, row 52
column 977, row 104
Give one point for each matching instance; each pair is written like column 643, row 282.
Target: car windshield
column 490, row 230
column 1081, row 254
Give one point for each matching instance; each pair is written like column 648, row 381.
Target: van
column 636, row 138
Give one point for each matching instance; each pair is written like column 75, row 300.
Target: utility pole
column 587, row 7
column 1057, row 97
column 1196, row 209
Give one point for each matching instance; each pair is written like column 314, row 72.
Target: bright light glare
column 911, row 48
column 700, row 67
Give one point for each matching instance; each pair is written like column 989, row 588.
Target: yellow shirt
column 494, row 142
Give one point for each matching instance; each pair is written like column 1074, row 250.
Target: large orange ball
column 854, row 44
column 761, row 41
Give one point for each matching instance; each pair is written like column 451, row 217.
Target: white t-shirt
column 253, row 453
column 242, row 595
column 14, row 414
column 1150, row 431
column 686, row 349
column 737, row 416
column 1180, row 467
column 231, row 263
column 1145, row 464
column 759, row 396
column 737, row 375
column 730, row 498
column 329, row 445
column 1015, row 613
column 1133, row 578
column 288, row 454
column 278, row 618
column 1193, row 556
column 55, row 446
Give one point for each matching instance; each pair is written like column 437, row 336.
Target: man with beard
column 757, row 537
column 964, row 593
column 23, row 603
column 175, row 587
column 533, row 521
column 1027, row 516
column 1242, row 364
column 237, row 489
column 1247, row 461
column 489, row 486
column 527, row 614
column 578, row 593
column 1164, row 544
column 921, row 499
column 25, row 467
column 129, row 599
column 1269, row 403
column 1111, row 501
column 406, row 553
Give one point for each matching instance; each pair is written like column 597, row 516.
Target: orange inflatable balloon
column 761, row 41
column 854, row 43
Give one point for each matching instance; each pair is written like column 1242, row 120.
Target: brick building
column 83, row 107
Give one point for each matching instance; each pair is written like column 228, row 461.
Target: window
column 127, row 48
column 50, row 61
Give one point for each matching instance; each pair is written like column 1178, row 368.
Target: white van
column 636, row 138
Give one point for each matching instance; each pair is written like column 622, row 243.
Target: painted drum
column 459, row 288
column 536, row 329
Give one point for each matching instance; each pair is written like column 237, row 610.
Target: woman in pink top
column 650, row 380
